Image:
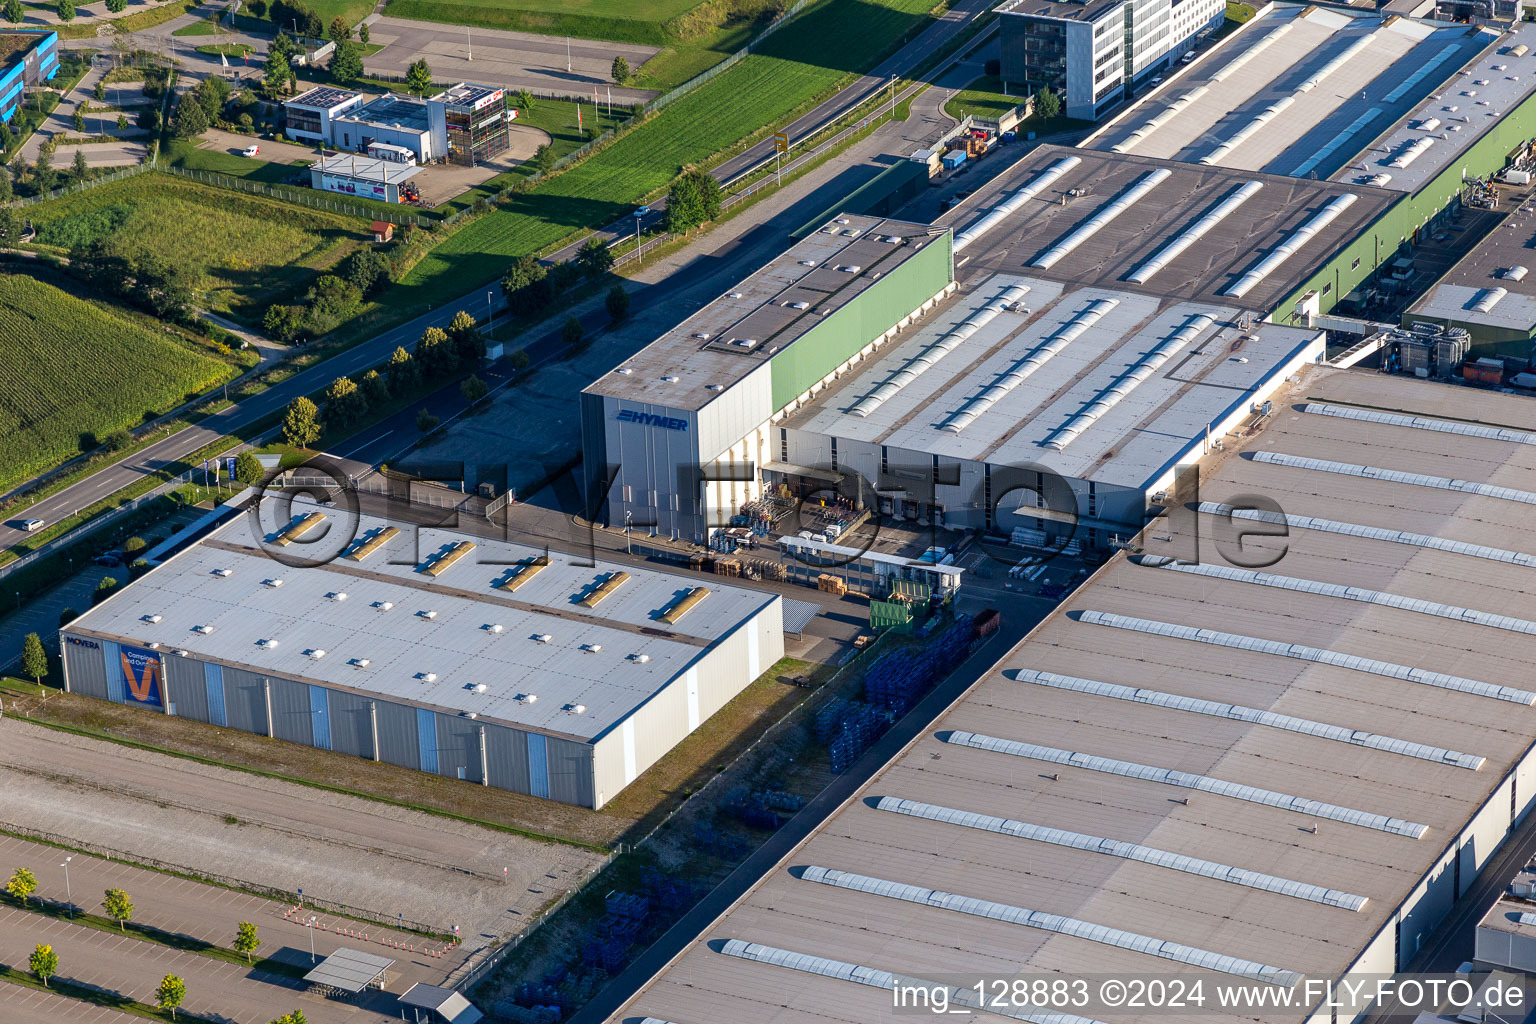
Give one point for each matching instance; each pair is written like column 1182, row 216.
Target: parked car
column 108, row 561
column 251, row 150
column 32, row 525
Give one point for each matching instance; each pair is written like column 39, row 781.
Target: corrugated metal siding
column 112, row 655
column 399, row 741
column 245, row 701
column 538, row 765
column 213, row 683
column 185, row 678
column 351, row 732
column 506, row 758
column 608, row 762
column 570, row 771
column 426, row 738
column 292, row 719
column 458, row 748
column 86, row 668
column 320, row 717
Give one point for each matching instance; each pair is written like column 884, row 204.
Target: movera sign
column 142, row 676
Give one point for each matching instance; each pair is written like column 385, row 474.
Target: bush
column 572, row 333
column 617, row 303
column 426, row 422
column 105, row 589
column 134, row 545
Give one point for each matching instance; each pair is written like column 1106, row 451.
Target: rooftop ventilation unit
column 203, row 629
column 360, row 663
column 733, row 295
column 1168, row 253
column 153, row 645
column 527, row 698
column 575, row 709
column 1107, row 213
column 932, row 353
column 670, row 378
column 614, row 581
column 315, row 653
column 479, row 687
column 427, row 613
column 592, row 648
column 1292, row 244
column 747, row 343
column 337, row 595
column 703, row 335
column 181, row 652
column 1013, row 203
column 223, row 573
column 383, row 606
column 639, row 659
column 542, row 638
column 367, row 547
column 492, row 627
column 798, row 305
column 427, row 677
column 274, row 583
column 267, row 643
column 624, row 371
column 807, row 263
column 714, row 387
column 852, row 268
column 150, row 618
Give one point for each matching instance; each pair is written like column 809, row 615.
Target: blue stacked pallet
column 862, row 725
column 829, row 719
column 628, row 905
column 778, row 800
column 615, row 955
column 532, row 995
column 592, row 953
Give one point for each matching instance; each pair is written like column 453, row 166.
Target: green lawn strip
column 133, row 23
column 149, row 933
column 769, row 87
column 205, row 27
column 227, row 49
column 313, row 784
column 99, row 997
column 983, row 97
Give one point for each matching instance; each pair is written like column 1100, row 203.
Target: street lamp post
column 490, row 312
column 68, row 893
column 469, row 44
column 310, row 924
column 638, row 254
column 627, row 548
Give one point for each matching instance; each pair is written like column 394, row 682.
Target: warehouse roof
column 1304, row 750
column 1303, row 91
column 736, row 333
column 391, row 111
column 1179, row 230
column 1493, row 264
column 371, row 625
column 323, row 97
column 1007, row 392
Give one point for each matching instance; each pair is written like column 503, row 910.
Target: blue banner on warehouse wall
column 142, row 675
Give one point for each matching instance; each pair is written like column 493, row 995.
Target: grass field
column 227, row 49
column 634, row 21
column 247, row 249
column 70, row 367
column 206, row 27
column 982, row 98
column 792, row 68
column 132, row 23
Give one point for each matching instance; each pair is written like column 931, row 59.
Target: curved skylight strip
column 1443, row 483
column 1409, row 604
column 1350, row 53
column 1420, row 423
column 858, row 974
column 1487, row 298
column 1130, row 141
column 1128, row 382
column 1254, row 716
column 1168, row 253
column 1417, row 148
column 936, row 350
column 1424, row 72
column 1118, row 937
column 1127, row 199
column 1317, row 655
column 1418, row 540
column 1247, row 131
column 1336, row 143
column 1126, row 851
column 1292, row 244
column 1020, row 371
column 998, row 213
column 1189, row 780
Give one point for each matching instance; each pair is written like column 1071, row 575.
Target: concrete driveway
column 514, row 60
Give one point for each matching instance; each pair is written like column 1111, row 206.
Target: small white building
column 309, row 114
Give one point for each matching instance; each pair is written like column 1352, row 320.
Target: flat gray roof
column 1174, row 206
column 367, row 168
column 402, row 645
column 1512, row 244
column 349, row 970
column 704, row 349
column 1374, row 68
column 1338, row 750
column 1065, row 10
column 1132, row 444
column 322, row 97
column 391, row 111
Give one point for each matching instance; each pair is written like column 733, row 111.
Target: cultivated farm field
column 248, row 250
column 793, row 67
column 70, row 367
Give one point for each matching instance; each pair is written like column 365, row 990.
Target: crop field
column 792, row 68
column 247, row 249
column 70, row 367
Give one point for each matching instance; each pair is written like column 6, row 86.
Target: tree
column 617, row 303
column 527, row 287
column 620, row 70
column 418, row 77
column 248, row 469
column 403, row 373
column 34, row 660
column 134, row 545
column 10, row 226
column 572, row 333
column 362, row 33
column 366, row 270
column 80, row 168
column 473, row 389
column 191, row 118
column 119, row 907
column 543, row 159
column 694, row 198
column 14, row 12
column 339, row 32
column 43, row 174
column 44, row 963
column 278, row 76
column 344, row 403
column 116, row 7
column 435, row 352
column 138, row 567
column 1047, row 104
column 523, row 100
column 346, row 62
column 66, row 10
column 6, row 190
column 170, row 994
column 301, row 423
column 78, row 118
column 426, row 422
column 23, row 883
column 595, row 258
column 375, row 387
column 67, row 616
column 468, row 342
column 122, row 120
column 282, row 322
column 245, row 939
column 296, row 1017
column 105, row 589
column 519, row 361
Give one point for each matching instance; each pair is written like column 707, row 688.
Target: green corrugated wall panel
column 1379, row 243
column 837, row 338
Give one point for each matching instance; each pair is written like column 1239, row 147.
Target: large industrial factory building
column 491, row 662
